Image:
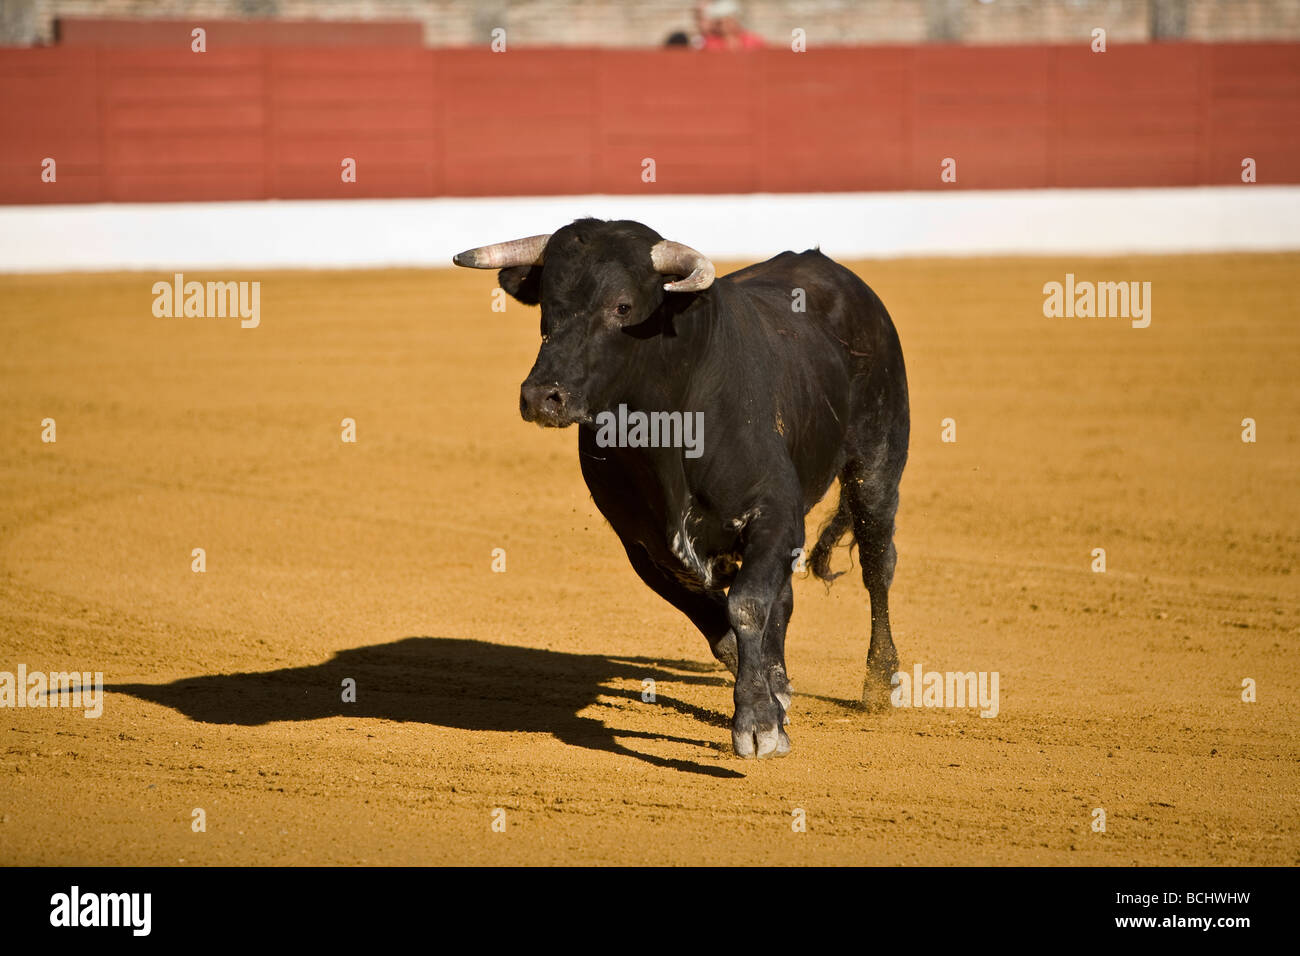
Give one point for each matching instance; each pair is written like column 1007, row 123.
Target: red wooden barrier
column 276, row 122
column 98, row 31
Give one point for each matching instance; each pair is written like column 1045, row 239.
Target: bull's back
column 832, row 294
column 865, row 384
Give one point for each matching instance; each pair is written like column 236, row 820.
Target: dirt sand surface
column 521, row 691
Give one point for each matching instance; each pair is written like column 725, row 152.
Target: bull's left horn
column 499, row 255
column 675, row 259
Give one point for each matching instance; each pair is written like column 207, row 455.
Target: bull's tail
column 831, row 534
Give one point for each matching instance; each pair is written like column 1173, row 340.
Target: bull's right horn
column 499, row 255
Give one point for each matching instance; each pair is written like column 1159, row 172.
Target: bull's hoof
column 877, row 686
column 769, row 742
column 757, row 731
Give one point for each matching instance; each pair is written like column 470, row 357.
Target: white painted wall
column 427, row 232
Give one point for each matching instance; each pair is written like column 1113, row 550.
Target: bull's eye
column 622, row 308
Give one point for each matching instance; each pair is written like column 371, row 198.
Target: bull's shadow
column 450, row 682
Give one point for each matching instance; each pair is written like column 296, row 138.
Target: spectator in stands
column 720, row 29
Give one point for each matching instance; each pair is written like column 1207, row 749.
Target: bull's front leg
column 778, row 619
column 759, row 594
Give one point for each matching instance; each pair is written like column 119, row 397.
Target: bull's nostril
column 555, row 398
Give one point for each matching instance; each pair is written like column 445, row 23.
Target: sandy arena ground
column 522, row 690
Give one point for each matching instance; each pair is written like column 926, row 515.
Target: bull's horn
column 675, row 259
column 499, row 255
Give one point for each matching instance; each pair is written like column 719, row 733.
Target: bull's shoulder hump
column 778, row 265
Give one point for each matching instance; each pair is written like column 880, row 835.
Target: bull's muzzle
column 551, row 405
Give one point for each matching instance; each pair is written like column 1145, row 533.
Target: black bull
column 794, row 370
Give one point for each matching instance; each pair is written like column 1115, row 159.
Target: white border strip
column 427, row 232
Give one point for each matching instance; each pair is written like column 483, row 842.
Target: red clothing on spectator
column 746, row 41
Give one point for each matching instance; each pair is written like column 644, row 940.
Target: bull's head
column 600, row 284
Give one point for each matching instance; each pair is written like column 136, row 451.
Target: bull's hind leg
column 873, row 501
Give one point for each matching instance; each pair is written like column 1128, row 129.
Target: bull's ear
column 522, row 282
